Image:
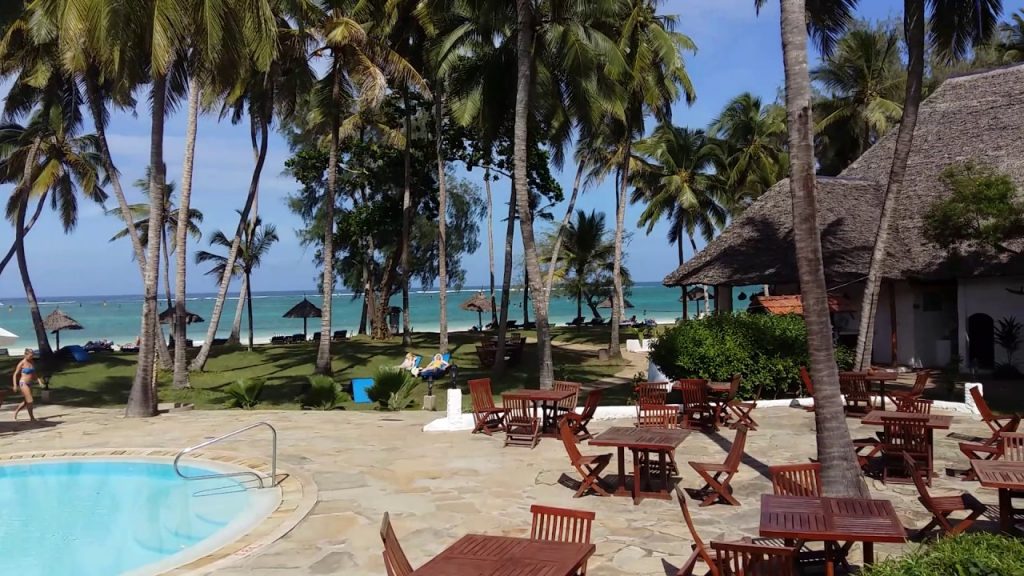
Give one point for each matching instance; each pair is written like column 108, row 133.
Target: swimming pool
column 101, row 517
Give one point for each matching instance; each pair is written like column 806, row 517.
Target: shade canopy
column 7, row 338
column 304, row 309
column 697, row 293
column 57, row 320
column 607, row 303
column 190, row 317
column 477, row 303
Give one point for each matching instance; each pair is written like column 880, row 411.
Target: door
column 980, row 341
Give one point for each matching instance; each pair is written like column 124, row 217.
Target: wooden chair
column 394, row 558
column 920, row 381
column 854, row 387
column 742, row 559
column 521, row 425
column 914, row 405
column 1013, row 446
column 941, row 507
column 805, row 377
column 904, row 437
column 578, row 422
column 700, row 552
column 552, row 524
column 487, row 417
column 717, row 477
column 589, row 467
column 996, row 425
column 720, row 404
column 648, row 393
column 696, row 405
column 991, row 449
column 569, row 404
column 796, row 479
column 741, row 410
column 665, row 417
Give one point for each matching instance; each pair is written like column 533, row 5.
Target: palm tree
column 652, row 79
column 864, row 80
column 585, row 264
column 257, row 239
column 1011, row 41
column 169, row 228
column 840, row 473
column 751, row 139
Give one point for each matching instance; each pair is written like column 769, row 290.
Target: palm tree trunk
column 490, row 243
column 914, row 29
column 679, row 254
column 165, row 251
column 199, row 362
column 30, row 294
column 236, row 326
column 840, row 474
column 181, row 238
column 142, row 398
column 526, row 297
column 524, row 55
column 323, row 355
column 614, row 350
column 561, row 230
column 442, row 219
column 506, row 285
column 28, row 227
column 407, row 219
column 248, row 305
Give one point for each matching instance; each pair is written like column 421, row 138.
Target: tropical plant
column 1011, row 38
column 1008, row 334
column 402, row 398
column 969, row 553
column 585, row 263
column 245, row 392
column 750, row 142
column 257, row 238
column 388, row 383
column 983, row 209
column 324, row 393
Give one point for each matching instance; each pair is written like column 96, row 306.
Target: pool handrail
column 273, row 460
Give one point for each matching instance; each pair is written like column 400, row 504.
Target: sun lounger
column 339, row 335
column 280, row 339
column 579, row 321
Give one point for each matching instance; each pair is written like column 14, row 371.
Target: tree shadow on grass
column 112, row 390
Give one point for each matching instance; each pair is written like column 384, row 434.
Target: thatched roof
column 190, row 317
column 57, row 320
column 476, row 303
column 304, row 309
column 978, row 117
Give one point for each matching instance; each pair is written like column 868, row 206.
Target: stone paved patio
column 440, row 486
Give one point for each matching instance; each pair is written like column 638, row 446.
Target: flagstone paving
column 438, row 486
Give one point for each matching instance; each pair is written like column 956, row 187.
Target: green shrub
column 324, row 393
column 969, row 554
column 387, row 382
column 766, row 349
column 245, row 393
column 402, row 398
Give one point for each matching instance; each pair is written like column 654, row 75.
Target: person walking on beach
column 23, row 378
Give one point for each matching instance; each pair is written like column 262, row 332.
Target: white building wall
column 988, row 296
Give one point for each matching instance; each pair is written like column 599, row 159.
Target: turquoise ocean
column 116, row 318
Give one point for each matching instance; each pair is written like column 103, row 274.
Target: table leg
column 869, row 553
column 664, row 471
column 830, row 560
column 881, row 386
column 1005, row 511
column 622, row 470
column 636, row 477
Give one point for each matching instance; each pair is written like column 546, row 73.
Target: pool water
column 109, row 517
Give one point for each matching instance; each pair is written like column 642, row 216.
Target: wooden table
column 881, row 377
column 1007, row 476
column 480, row 555
column 543, row 399
column 831, row 520
column 935, row 422
column 660, row 440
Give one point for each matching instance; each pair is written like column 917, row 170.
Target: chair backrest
column 658, row 416
column 741, row 559
column 796, row 479
column 734, row 387
column 570, row 402
column 560, row 524
column 480, row 393
column 651, row 393
column 394, row 558
column 1013, row 446
column 569, row 440
column 591, row 404
column 920, row 381
column 732, row 461
column 853, row 384
column 698, row 544
column 919, row 481
column 518, row 409
column 983, row 409
column 1009, row 427
column 915, row 406
column 805, row 376
column 695, row 392
column 907, row 434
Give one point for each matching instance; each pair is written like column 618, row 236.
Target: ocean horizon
column 117, row 317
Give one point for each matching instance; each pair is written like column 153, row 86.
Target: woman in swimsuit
column 24, row 378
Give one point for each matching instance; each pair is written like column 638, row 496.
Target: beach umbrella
column 304, row 310
column 57, row 321
column 607, row 303
column 7, row 338
column 477, row 303
column 167, row 317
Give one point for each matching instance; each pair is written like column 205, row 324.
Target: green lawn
column 106, row 379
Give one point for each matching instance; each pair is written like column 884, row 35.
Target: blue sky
column 738, row 51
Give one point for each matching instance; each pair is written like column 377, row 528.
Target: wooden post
column 723, row 298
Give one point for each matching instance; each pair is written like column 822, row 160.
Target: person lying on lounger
column 437, row 367
column 409, row 362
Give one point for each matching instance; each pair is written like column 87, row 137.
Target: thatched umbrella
column 607, row 303
column 304, row 310
column 477, row 303
column 167, row 317
column 57, row 321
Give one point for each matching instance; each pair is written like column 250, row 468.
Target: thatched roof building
column 977, row 117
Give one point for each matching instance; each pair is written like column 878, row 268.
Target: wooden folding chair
column 569, row 404
column 717, row 477
column 996, row 425
column 742, row 409
column 796, row 479
column 487, row 417
column 854, row 387
column 552, row 524
column 991, row 449
column 649, row 393
column 696, row 405
column 521, row 425
column 589, row 467
column 920, row 382
column 942, row 507
column 665, row 417
column 914, row 406
column 1013, row 446
column 394, row 558
column 905, row 437
column 720, row 405
column 579, row 422
column 805, row 377
column 741, row 559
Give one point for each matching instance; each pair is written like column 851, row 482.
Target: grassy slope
column 106, row 380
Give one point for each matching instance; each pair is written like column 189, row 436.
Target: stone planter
column 454, row 406
column 641, row 346
column 165, row 407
